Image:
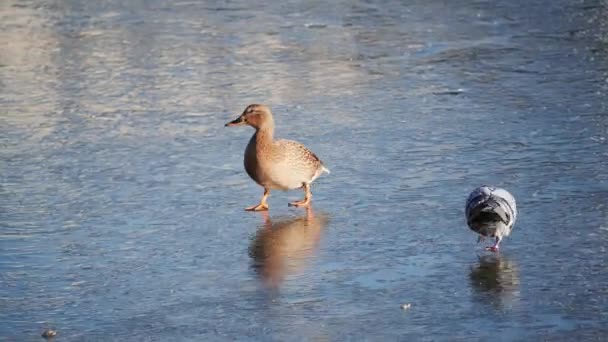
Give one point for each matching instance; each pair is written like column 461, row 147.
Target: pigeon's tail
column 491, row 212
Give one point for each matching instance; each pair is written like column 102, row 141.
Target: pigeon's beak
column 236, row 122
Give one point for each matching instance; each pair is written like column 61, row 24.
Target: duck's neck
column 264, row 135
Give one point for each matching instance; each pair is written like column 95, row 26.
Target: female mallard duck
column 491, row 212
column 276, row 164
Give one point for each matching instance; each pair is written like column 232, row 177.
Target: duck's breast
column 251, row 162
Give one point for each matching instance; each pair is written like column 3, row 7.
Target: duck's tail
column 319, row 172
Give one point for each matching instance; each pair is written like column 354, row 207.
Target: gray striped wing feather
column 491, row 211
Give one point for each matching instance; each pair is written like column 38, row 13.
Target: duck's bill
column 236, row 122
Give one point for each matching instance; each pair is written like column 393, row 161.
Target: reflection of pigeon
column 491, row 212
column 495, row 279
column 49, row 333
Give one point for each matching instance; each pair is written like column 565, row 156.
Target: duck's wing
column 298, row 155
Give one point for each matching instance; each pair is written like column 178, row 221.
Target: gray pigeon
column 491, row 212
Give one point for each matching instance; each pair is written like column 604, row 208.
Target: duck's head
column 255, row 115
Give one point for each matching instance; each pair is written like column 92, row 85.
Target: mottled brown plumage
column 276, row 164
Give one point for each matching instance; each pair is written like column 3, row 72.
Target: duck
column 491, row 212
column 276, row 164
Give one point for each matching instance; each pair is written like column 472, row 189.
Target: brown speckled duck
column 276, row 164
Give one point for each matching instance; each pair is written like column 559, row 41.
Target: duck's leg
column 262, row 205
column 307, row 196
column 494, row 247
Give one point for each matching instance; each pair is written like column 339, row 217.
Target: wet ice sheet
column 122, row 193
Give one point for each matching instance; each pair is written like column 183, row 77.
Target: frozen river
column 122, row 194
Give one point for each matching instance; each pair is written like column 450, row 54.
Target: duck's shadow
column 284, row 246
column 495, row 280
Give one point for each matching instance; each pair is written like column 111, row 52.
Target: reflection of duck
column 276, row 164
column 495, row 279
column 283, row 247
